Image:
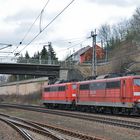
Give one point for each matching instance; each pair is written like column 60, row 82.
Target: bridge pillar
column 63, row 75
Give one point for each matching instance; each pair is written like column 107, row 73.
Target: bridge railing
column 64, row 64
column 37, row 61
column 8, row 59
column 27, row 61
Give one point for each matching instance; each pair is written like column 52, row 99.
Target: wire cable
column 32, row 26
column 72, row 40
column 47, row 25
column 71, row 46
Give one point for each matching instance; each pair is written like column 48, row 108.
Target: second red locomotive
column 120, row 94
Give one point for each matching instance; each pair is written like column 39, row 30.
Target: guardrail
column 37, row 61
column 27, row 61
column 64, row 64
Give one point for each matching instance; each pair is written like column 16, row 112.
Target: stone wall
column 23, row 87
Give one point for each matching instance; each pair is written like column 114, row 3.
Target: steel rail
column 38, row 128
column 54, row 128
column 106, row 120
column 31, row 126
column 22, row 132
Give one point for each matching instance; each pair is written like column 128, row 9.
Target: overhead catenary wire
column 35, row 20
column 72, row 46
column 47, row 25
column 65, row 40
column 40, row 23
column 40, row 15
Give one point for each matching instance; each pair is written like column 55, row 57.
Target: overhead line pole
column 94, row 60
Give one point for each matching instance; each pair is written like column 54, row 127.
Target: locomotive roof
column 111, row 79
column 60, row 84
column 97, row 80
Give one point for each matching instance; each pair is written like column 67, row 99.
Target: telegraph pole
column 106, row 56
column 93, row 35
column 49, row 55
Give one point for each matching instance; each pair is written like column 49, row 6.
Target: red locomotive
column 59, row 94
column 120, row 94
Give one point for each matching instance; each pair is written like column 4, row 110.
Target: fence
column 27, row 61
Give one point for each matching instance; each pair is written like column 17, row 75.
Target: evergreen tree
column 52, row 53
column 27, row 55
column 44, row 53
column 36, row 55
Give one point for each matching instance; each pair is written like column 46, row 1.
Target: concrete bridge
column 30, row 69
column 51, row 69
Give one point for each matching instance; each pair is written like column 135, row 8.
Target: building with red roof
column 85, row 54
column 88, row 54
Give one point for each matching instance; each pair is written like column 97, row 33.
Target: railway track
column 95, row 118
column 22, row 132
column 53, row 132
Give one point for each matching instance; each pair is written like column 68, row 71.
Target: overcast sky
column 70, row 28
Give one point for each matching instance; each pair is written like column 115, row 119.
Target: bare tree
column 135, row 24
column 104, row 32
column 136, row 19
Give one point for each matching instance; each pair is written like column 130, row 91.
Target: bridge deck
column 30, row 69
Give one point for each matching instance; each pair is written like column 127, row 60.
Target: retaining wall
column 23, row 87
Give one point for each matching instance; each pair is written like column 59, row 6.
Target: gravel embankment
column 87, row 127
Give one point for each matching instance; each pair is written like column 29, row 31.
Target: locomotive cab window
column 137, row 82
column 74, row 86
